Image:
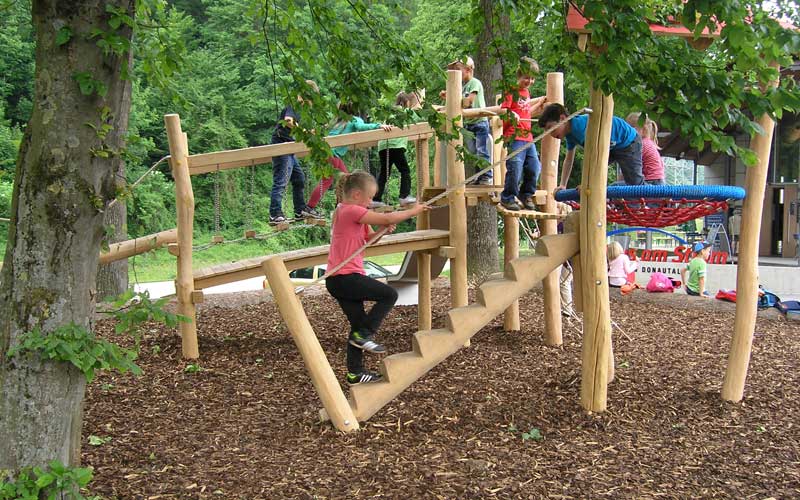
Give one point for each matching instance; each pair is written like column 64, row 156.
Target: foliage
column 79, row 346
column 34, row 483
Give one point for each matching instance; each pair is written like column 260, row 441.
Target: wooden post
column 498, row 172
column 184, row 204
column 510, row 252
column 550, row 150
column 747, row 266
column 320, row 371
column 596, row 316
column 424, row 312
column 458, row 207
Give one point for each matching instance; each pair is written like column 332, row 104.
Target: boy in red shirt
column 525, row 166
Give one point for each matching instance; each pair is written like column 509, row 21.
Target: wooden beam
column 173, row 249
column 125, row 249
column 198, row 297
column 747, row 265
column 424, row 285
column 511, row 321
column 447, row 252
column 319, row 369
column 596, row 316
column 224, row 160
column 551, row 283
column 458, row 208
column 184, row 203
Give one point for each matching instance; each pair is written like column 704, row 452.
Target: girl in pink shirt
column 350, row 286
column 619, row 265
column 652, row 163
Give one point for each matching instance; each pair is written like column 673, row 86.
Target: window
column 306, row 273
column 786, row 156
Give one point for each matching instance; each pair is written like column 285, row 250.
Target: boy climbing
column 625, row 149
column 473, row 97
column 524, row 167
column 286, row 168
column 696, row 284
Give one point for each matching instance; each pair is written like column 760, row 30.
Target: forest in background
column 229, row 92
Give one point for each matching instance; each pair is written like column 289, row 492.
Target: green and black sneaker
column 363, row 377
column 366, row 343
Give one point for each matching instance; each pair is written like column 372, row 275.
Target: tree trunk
column 56, row 227
column 112, row 278
column 482, row 256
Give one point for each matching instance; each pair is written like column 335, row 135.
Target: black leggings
column 396, row 157
column 351, row 291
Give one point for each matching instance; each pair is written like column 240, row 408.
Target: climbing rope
column 141, row 178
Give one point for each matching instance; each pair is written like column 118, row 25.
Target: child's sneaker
column 529, row 203
column 511, row 205
column 484, row 180
column 408, row 200
column 376, row 204
column 274, row 220
column 366, row 343
column 309, row 213
column 363, row 377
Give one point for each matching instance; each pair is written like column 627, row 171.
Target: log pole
column 511, row 321
column 550, row 150
column 747, row 266
column 125, row 249
column 424, row 311
column 319, row 369
column 184, row 203
column 596, row 316
column 457, row 201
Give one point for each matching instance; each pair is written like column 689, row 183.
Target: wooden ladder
column 431, row 347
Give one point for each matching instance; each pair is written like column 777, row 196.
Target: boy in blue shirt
column 625, row 149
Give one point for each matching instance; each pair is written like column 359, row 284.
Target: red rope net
column 652, row 212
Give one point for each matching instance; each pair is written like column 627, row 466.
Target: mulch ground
column 498, row 419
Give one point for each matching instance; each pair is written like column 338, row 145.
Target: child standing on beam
column 393, row 152
column 343, row 126
column 652, row 163
column 625, row 148
column 525, row 166
column 350, row 286
column 473, row 97
column 286, row 168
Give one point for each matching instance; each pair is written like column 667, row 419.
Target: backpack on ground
column 660, row 282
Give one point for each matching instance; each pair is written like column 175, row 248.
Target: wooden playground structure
column 584, row 242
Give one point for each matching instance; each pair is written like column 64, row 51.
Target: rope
column 436, row 198
column 717, row 193
column 140, row 179
column 260, row 236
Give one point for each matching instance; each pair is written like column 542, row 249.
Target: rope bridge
column 660, row 206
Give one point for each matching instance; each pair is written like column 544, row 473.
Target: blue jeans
column 479, row 144
column 629, row 160
column 524, row 167
column 284, row 169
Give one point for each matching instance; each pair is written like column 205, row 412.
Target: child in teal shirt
column 697, row 268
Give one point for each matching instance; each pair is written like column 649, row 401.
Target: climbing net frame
column 660, row 206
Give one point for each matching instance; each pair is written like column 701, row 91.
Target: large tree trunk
column 112, row 278
column 482, row 256
column 51, row 260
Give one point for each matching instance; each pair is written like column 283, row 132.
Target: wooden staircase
column 431, row 347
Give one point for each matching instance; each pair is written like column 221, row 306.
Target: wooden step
column 428, row 343
column 492, row 292
column 398, row 367
column 556, row 245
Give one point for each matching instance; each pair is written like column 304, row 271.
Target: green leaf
column 63, row 36
column 98, row 441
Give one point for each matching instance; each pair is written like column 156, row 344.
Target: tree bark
column 482, row 255
column 50, row 265
column 112, row 278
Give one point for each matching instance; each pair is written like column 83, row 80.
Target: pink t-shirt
column 347, row 236
column 652, row 164
column 619, row 269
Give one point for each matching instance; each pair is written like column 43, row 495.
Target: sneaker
column 274, row 220
column 376, row 204
column 366, row 343
column 309, row 213
column 484, row 181
column 529, row 203
column 511, row 205
column 363, row 377
column 408, row 200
